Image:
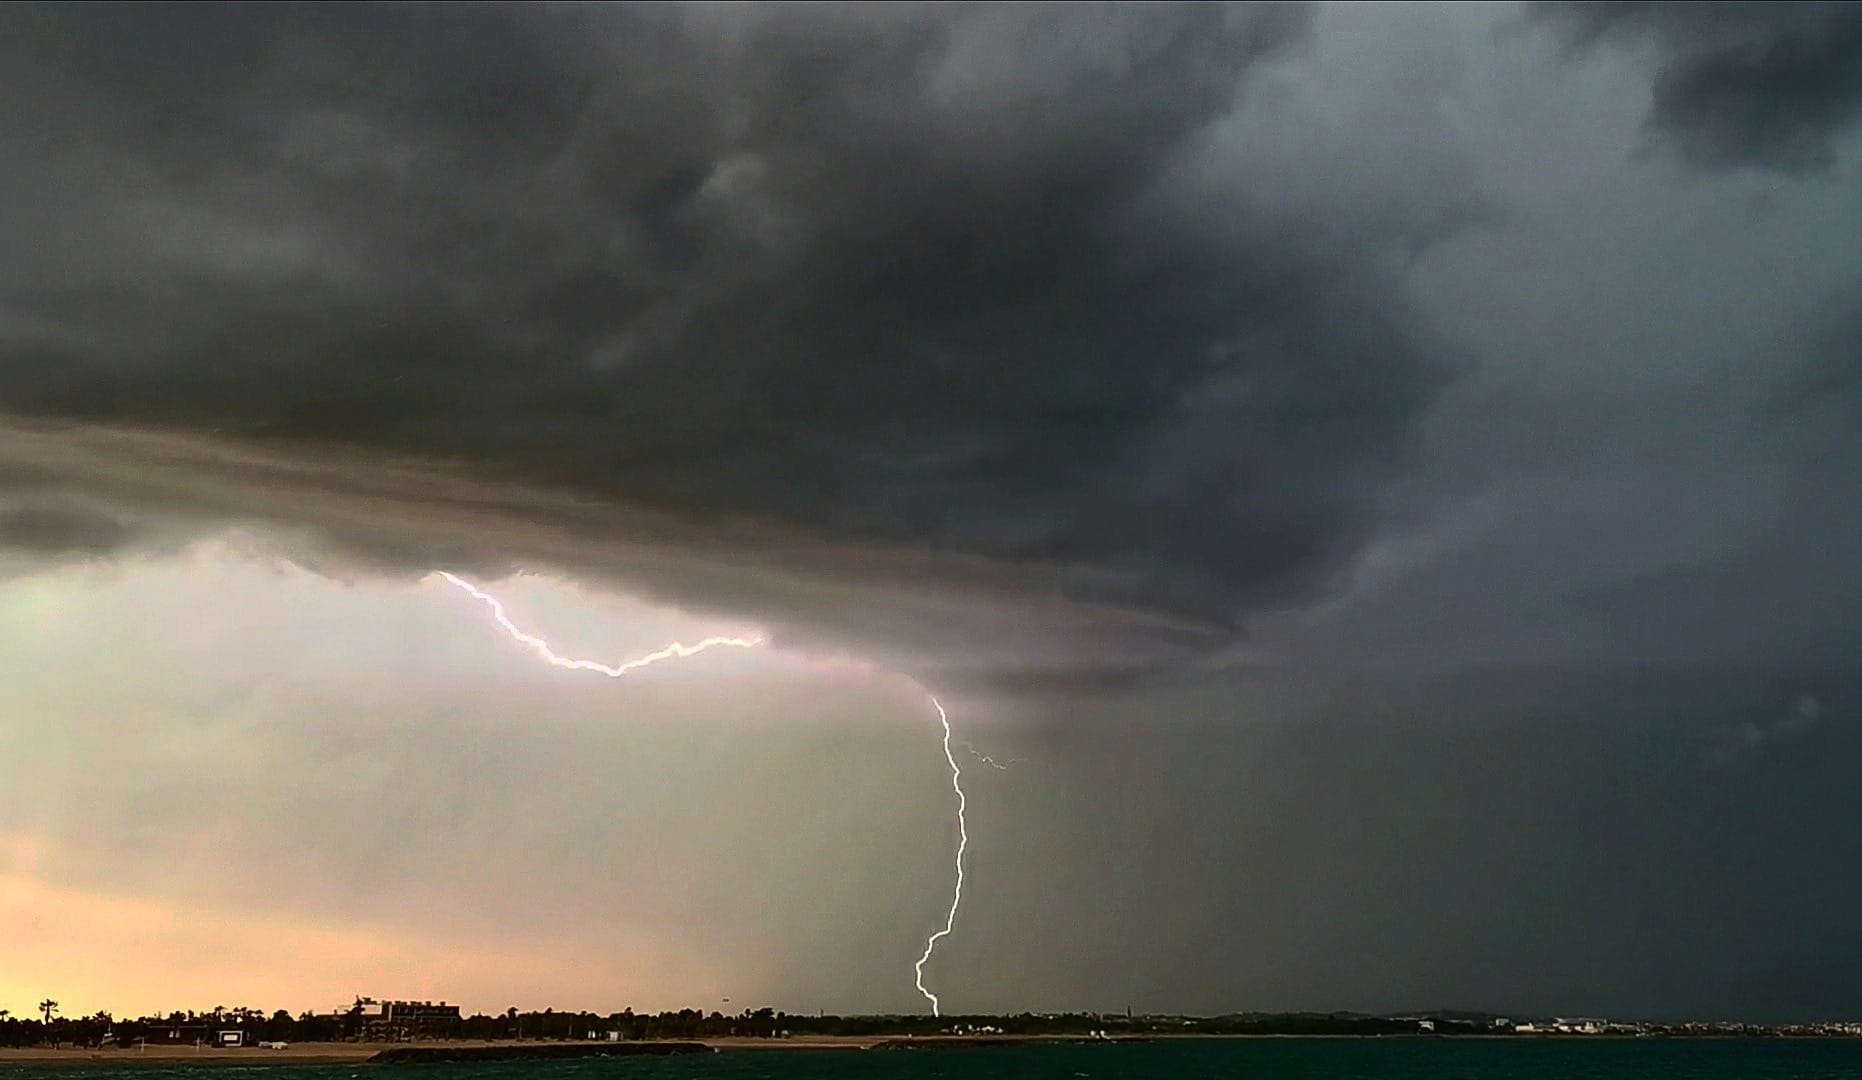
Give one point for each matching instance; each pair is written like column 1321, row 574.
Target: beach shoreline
column 351, row 1053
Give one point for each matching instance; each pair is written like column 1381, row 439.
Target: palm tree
column 48, row 1007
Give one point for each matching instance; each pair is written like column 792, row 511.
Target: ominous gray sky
column 1389, row 472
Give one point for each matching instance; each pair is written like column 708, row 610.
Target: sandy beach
column 297, row 1054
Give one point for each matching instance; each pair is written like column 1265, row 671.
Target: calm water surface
column 1267, row 1059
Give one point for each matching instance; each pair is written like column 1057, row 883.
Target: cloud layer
column 1773, row 86
column 940, row 277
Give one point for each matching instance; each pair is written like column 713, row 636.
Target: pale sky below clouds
column 285, row 750
column 1378, row 465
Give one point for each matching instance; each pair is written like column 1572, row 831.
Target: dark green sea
column 1266, row 1059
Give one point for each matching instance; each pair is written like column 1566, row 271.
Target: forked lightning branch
column 678, row 651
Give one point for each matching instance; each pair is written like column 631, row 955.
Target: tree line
column 102, row 1029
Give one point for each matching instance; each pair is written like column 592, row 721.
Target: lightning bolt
column 963, row 843
column 676, row 651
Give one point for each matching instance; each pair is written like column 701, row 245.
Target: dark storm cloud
column 61, row 527
column 1820, row 404
column 917, row 276
column 1765, row 85
column 350, row 516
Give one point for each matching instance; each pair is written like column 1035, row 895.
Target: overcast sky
column 1388, row 477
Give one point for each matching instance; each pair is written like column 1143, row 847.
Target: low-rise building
column 388, row 1021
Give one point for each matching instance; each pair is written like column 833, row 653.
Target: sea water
column 1241, row 1059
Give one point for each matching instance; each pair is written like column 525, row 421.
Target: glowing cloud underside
column 677, row 651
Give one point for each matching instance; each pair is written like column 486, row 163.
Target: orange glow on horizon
column 139, row 955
